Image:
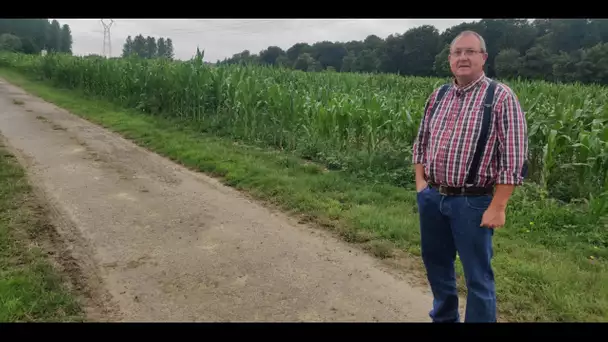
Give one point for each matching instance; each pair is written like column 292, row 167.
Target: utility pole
column 107, row 39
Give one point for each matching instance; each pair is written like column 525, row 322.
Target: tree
column 348, row 62
column 127, row 47
column 66, row 39
column 536, row 63
column 506, row 34
column 373, row 42
column 507, row 63
column 392, row 54
column 53, row 42
column 161, row 48
column 329, row 54
column 297, row 49
column 283, row 61
column 565, row 66
column 139, row 46
column 150, row 47
column 270, row 55
column 420, row 46
column 315, row 66
column 37, row 34
column 441, row 65
column 367, row 61
column 10, row 42
column 303, row 62
column 169, row 48
column 594, row 64
column 559, row 50
column 354, row 47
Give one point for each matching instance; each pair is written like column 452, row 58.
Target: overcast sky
column 221, row 38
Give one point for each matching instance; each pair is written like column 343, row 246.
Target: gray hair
column 482, row 42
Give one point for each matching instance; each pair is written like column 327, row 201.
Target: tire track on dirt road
column 167, row 244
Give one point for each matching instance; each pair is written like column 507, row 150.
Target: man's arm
column 420, row 144
column 512, row 133
column 420, row 179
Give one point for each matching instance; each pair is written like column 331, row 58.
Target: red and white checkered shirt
column 446, row 144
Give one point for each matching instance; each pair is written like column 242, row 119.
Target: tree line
column 31, row 36
column 560, row 50
column 148, row 47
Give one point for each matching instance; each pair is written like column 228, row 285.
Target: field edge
column 40, row 279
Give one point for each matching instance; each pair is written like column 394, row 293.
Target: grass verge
column 550, row 259
column 31, row 289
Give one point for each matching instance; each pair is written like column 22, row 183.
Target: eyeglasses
column 466, row 52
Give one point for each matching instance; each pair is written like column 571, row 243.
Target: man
column 458, row 215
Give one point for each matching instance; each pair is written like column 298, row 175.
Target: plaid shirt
column 446, row 144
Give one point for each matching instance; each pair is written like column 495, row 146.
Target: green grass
column 543, row 259
column 31, row 289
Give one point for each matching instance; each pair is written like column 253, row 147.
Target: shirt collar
column 469, row 86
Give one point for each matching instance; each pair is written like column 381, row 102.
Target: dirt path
column 156, row 242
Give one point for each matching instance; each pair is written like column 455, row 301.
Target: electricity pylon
column 107, row 38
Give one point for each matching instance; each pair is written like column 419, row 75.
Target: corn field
column 358, row 123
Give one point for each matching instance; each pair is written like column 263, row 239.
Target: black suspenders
column 483, row 135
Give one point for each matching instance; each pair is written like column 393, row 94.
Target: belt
column 462, row 191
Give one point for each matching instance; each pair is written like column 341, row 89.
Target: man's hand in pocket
column 421, row 186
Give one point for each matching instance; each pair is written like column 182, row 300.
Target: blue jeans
column 450, row 224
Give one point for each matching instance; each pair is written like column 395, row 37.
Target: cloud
column 221, row 38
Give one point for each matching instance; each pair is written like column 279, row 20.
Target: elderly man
column 468, row 161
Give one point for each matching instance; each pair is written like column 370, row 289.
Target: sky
column 221, row 38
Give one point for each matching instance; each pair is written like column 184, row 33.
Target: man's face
column 466, row 58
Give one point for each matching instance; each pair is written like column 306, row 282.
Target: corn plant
column 361, row 123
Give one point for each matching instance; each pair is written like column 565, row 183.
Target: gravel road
column 157, row 242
